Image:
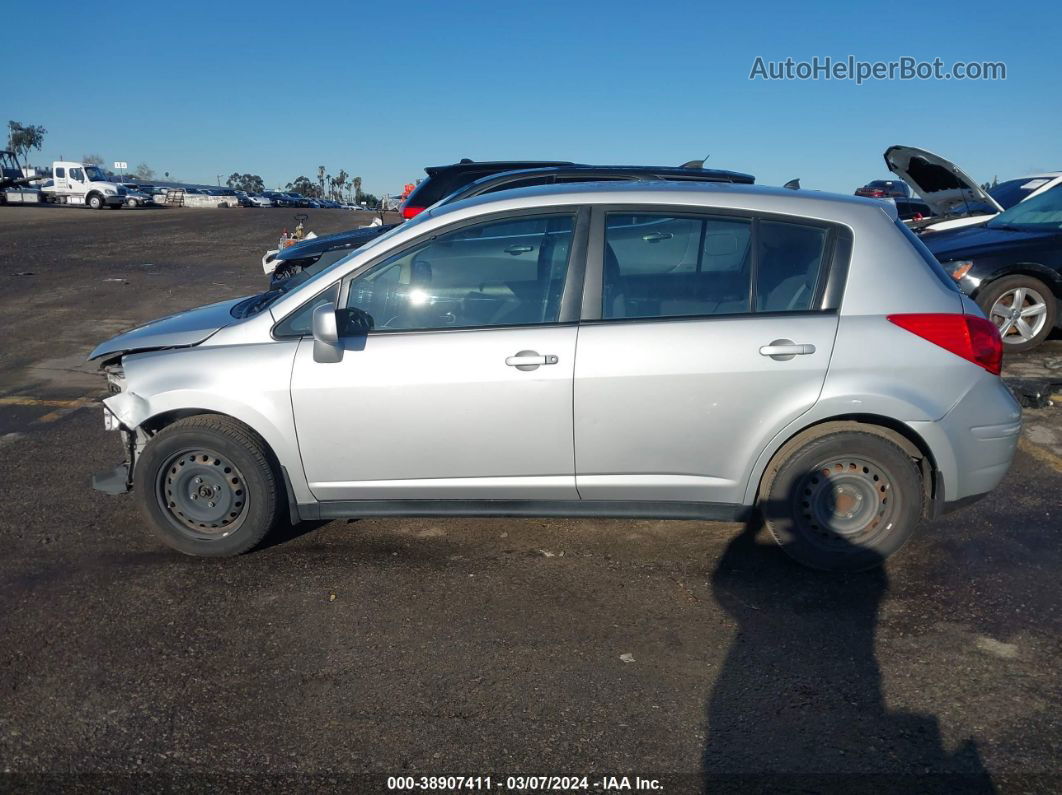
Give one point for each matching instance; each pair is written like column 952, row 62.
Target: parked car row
column 279, row 199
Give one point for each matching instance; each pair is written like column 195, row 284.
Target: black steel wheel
column 203, row 493
column 843, row 501
column 209, row 486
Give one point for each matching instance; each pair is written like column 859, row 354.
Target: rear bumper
column 974, row 443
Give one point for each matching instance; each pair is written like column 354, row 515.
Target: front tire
column 208, row 486
column 1022, row 308
column 845, row 501
column 95, row 201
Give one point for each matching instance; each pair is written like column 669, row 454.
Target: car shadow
column 285, row 532
column 798, row 705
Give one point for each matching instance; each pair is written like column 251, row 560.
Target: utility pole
column 219, row 180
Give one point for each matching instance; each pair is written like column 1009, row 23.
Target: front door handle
column 514, row 249
column 656, row 237
column 784, row 350
column 529, row 360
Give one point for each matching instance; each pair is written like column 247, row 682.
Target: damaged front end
column 122, row 412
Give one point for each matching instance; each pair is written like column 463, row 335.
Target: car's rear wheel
column 1022, row 308
column 842, row 502
column 208, row 487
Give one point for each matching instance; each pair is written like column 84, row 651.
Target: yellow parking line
column 59, row 408
column 23, row 400
column 1041, row 454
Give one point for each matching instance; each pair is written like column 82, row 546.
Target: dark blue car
column 1012, row 267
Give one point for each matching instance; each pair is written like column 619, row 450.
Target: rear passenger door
column 703, row 335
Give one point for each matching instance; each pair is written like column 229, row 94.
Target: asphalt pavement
column 689, row 654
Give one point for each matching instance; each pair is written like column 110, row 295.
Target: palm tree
column 357, row 190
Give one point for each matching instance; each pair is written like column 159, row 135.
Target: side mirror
column 326, row 347
column 354, row 322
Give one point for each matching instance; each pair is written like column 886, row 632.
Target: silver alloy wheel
column 1019, row 314
column 202, row 493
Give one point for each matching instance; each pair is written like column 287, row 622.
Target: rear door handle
column 656, row 237
column 514, row 249
column 784, row 350
column 529, row 360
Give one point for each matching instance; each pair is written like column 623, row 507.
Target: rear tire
column 208, row 486
column 842, row 502
column 1032, row 299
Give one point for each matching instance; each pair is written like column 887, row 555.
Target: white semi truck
column 77, row 183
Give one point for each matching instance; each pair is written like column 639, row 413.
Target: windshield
column 1040, row 212
column 1013, row 191
column 95, row 174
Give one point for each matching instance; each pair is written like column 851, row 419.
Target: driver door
column 463, row 388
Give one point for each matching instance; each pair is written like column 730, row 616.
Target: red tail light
column 408, row 212
column 973, row 338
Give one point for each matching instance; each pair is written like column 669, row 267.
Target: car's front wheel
column 844, row 501
column 208, row 487
column 95, row 201
column 1022, row 308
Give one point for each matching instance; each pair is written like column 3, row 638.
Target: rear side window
column 674, row 266
column 928, row 257
column 60, row 172
column 790, row 262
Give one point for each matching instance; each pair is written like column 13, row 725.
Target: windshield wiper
column 256, row 303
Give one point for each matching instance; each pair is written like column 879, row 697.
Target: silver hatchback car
column 669, row 350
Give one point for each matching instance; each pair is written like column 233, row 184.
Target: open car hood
column 174, row 331
column 942, row 185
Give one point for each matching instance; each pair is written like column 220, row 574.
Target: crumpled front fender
column 129, row 408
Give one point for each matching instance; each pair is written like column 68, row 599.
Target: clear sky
column 383, row 89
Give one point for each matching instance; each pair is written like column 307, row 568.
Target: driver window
column 508, row 272
column 75, row 173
